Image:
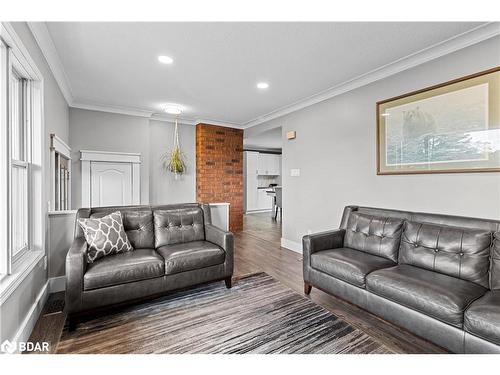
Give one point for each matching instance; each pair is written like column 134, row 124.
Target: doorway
column 262, row 171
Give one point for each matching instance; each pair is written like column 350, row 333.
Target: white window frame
column 22, row 162
column 58, row 149
column 13, row 269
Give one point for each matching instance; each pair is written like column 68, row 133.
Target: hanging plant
column 174, row 161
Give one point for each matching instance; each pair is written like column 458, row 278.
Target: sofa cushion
column 482, row 318
column 178, row 226
column 136, row 265
column 440, row 296
column 191, row 256
column 375, row 235
column 139, row 228
column 495, row 263
column 348, row 265
column 105, row 236
column 458, row 252
column 138, row 225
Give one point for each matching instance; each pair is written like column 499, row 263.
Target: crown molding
column 44, row 40
column 138, row 112
column 471, row 37
column 12, row 39
column 129, row 111
column 222, row 123
column 171, row 118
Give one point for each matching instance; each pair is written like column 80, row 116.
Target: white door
column 111, row 184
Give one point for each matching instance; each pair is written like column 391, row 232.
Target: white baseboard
column 57, row 284
column 53, row 285
column 291, row 245
column 24, row 332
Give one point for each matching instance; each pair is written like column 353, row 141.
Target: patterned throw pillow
column 105, row 236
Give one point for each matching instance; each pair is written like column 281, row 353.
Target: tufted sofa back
column 374, row 235
column 453, row 245
column 459, row 252
column 139, row 222
column 181, row 225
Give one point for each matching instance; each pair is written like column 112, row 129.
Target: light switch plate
column 295, row 172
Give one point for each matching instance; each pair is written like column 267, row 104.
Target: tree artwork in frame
column 451, row 127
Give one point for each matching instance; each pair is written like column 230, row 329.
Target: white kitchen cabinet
column 259, row 164
column 251, row 162
column 269, row 164
column 264, row 200
column 276, row 165
column 263, row 164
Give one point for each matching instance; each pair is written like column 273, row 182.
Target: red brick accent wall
column 219, row 169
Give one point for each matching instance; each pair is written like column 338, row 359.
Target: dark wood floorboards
column 257, row 249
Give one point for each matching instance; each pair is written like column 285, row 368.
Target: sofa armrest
column 313, row 243
column 323, row 241
column 225, row 240
column 76, row 265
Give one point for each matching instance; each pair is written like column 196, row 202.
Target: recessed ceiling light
column 173, row 109
column 262, row 85
column 165, row 59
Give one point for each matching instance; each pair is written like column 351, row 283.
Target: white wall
column 335, row 150
column 18, row 306
column 129, row 134
column 61, row 232
column 102, row 131
column 163, row 187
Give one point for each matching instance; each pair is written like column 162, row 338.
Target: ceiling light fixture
column 262, row 85
column 173, row 109
column 165, row 59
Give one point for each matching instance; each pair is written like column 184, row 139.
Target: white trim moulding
column 291, row 245
column 44, row 40
column 26, row 328
column 453, row 44
column 129, row 111
column 471, row 37
column 111, row 156
column 57, row 284
column 10, row 282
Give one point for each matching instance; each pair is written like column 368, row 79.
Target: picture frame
column 452, row 127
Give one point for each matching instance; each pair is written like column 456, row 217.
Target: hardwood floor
column 257, row 249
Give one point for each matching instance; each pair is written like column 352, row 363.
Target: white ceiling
column 217, row 65
column 270, row 139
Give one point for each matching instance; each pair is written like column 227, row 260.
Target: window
column 21, row 145
column 60, row 169
column 19, row 166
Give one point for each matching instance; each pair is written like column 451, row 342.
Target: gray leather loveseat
column 175, row 246
column 438, row 276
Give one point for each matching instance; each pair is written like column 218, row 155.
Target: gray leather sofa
column 437, row 276
column 175, row 246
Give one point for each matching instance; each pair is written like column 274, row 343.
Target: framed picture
column 451, row 127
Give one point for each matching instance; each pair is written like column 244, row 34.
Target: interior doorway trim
column 88, row 157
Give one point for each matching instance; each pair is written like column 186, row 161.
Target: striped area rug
column 258, row 315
